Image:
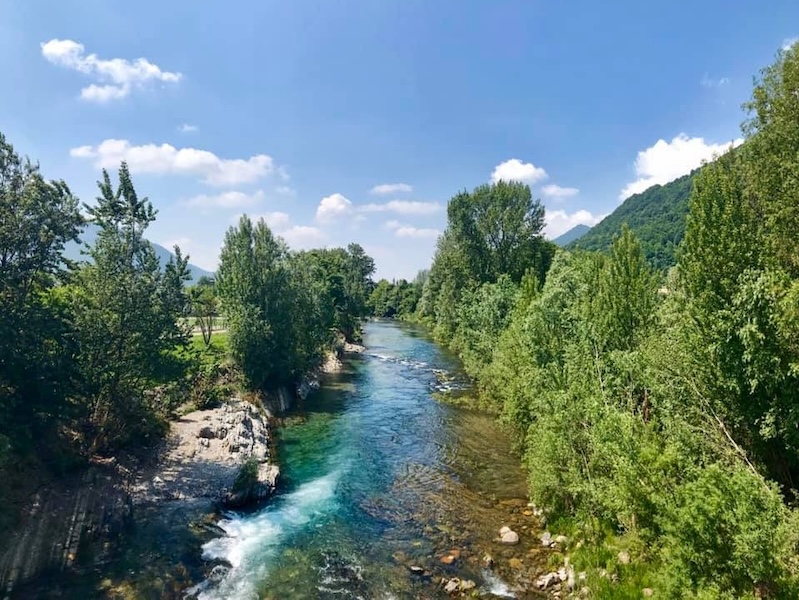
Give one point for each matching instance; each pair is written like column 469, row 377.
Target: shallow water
column 379, row 477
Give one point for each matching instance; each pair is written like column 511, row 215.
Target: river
column 380, row 482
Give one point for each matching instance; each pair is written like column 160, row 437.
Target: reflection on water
column 381, row 482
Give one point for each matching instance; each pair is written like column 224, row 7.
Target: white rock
column 510, row 537
column 505, row 529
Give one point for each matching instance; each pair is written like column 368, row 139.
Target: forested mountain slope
column 656, row 217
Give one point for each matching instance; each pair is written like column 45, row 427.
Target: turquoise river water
column 378, row 477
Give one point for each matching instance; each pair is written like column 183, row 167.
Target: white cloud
column 225, row 200
column 188, row 128
column 333, row 207
column 709, row 82
column 151, row 158
column 276, row 220
column 391, row 188
column 666, row 161
column 302, row 237
column 116, row 76
column 516, row 170
column 559, row 221
column 285, row 190
column 788, row 43
column 404, row 207
column 408, row 231
column 556, row 191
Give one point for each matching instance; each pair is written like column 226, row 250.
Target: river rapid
column 380, row 482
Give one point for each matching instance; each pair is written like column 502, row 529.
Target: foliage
column 126, row 313
column 204, row 306
column 37, row 375
column 284, row 309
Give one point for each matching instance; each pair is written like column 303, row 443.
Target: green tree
column 37, row 371
column 252, row 283
column 204, row 306
column 127, row 312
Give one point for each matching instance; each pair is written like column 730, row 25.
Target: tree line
column 656, row 413
column 96, row 354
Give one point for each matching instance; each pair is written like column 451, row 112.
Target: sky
column 356, row 120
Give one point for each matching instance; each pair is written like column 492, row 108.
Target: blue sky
column 357, row 120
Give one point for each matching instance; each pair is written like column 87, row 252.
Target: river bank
column 72, row 531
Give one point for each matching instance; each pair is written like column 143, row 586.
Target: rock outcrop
column 222, row 455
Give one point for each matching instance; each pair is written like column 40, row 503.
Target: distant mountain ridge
column 72, row 251
column 656, row 216
column 575, row 233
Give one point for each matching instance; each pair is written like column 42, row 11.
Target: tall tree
column 253, row 283
column 127, row 313
column 36, row 368
column 498, row 228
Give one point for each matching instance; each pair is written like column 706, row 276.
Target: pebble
column 515, row 563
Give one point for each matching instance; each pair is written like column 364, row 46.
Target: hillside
column 574, row 234
column 656, row 216
column 72, row 251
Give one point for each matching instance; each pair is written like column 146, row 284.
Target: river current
column 380, row 482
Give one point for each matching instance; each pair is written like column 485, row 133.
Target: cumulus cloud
column 710, row 82
column 516, row 170
column 404, row 207
column 302, row 236
column 152, row 158
column 408, row 231
column 276, row 220
column 666, row 161
column 559, row 221
column 188, row 128
column 556, row 191
column 225, row 200
column 333, row 207
column 114, row 78
column 385, row 189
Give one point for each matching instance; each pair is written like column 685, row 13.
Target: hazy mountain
column 575, row 233
column 73, row 252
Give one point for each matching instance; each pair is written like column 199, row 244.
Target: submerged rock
column 510, row 537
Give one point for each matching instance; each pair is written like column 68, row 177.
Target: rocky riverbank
column 221, row 455
column 210, row 460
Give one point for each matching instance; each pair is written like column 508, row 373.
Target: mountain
column 656, row 216
column 574, row 234
column 72, row 251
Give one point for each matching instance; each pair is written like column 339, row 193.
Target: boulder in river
column 254, row 483
column 510, row 537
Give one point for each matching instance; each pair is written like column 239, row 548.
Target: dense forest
column 98, row 353
column 656, row 412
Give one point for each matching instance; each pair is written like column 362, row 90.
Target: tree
column 37, row 371
column 127, row 313
column 204, row 306
column 498, row 228
column 260, row 303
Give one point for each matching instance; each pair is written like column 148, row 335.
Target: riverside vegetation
column 656, row 411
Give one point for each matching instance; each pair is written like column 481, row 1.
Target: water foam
column 494, row 585
column 251, row 541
